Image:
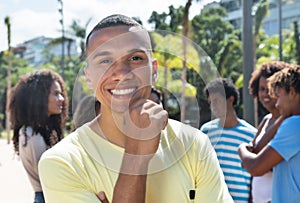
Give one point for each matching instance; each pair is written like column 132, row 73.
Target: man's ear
column 231, row 99
column 292, row 92
column 154, row 70
column 87, row 78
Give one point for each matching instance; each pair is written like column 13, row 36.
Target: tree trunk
column 7, row 113
column 297, row 41
column 185, row 30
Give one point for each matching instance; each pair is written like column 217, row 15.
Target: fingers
column 102, row 197
column 145, row 121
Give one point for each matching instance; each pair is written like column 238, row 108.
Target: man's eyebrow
column 106, row 53
column 138, row 50
column 102, row 53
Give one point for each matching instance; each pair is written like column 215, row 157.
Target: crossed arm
column 261, row 158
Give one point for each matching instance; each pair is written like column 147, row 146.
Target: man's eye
column 134, row 58
column 105, row 61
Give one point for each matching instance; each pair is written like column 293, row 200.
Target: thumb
column 102, row 197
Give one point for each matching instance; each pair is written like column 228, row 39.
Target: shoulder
column 268, row 116
column 290, row 125
column 180, row 128
column 64, row 149
column 32, row 137
column 247, row 126
column 213, row 124
column 184, row 133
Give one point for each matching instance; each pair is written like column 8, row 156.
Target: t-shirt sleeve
column 210, row 182
column 286, row 141
column 63, row 185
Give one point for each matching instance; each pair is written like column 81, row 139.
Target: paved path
column 14, row 184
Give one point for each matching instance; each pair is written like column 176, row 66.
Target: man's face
column 218, row 104
column 284, row 102
column 120, row 66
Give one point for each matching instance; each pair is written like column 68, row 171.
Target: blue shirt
column 286, row 174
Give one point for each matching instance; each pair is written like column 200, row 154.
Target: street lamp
column 61, row 11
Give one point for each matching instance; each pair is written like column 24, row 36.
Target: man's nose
column 121, row 70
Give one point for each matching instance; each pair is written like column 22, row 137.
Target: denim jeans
column 39, row 197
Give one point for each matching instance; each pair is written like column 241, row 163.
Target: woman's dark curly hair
column 285, row 79
column 266, row 70
column 28, row 106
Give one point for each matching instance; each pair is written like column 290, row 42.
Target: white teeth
column 122, row 91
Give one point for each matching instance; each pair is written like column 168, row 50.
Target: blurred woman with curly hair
column 38, row 107
column 258, row 87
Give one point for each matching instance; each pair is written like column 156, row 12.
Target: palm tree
column 80, row 32
column 59, row 40
column 7, row 120
column 185, row 30
column 261, row 11
column 297, row 41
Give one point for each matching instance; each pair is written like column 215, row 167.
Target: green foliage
column 19, row 68
column 168, row 51
column 210, row 30
column 218, row 38
column 171, row 21
column 261, row 10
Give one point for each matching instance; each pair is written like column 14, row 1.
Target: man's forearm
column 131, row 183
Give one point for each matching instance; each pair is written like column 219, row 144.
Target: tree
column 229, row 58
column 260, row 12
column 80, row 33
column 210, row 30
column 297, row 41
column 7, row 118
column 170, row 21
column 185, row 31
column 58, row 41
column 176, row 16
column 159, row 21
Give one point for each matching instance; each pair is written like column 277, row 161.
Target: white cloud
column 27, row 24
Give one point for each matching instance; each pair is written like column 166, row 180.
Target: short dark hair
column 111, row 21
column 266, row 70
column 286, row 79
column 224, row 87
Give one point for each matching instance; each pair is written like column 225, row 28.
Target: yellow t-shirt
column 84, row 163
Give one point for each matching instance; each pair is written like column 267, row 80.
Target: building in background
column 38, row 50
column 290, row 13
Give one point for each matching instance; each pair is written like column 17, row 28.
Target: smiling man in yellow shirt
column 132, row 152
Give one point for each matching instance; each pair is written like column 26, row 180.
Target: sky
column 34, row 18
